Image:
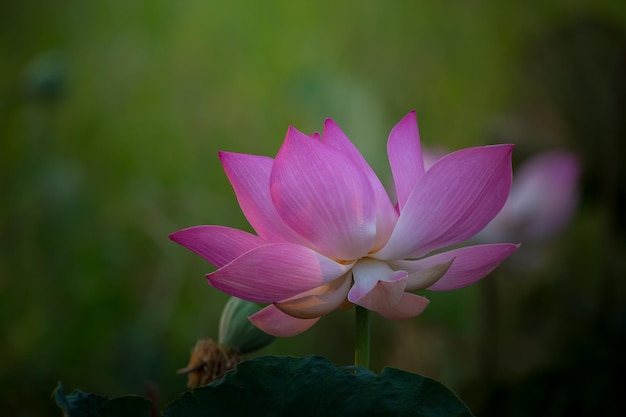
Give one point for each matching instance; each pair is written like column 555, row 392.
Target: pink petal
column 318, row 301
column 423, row 273
column 386, row 215
column 469, row 265
column 276, row 323
column 405, row 157
column 368, row 273
column 250, row 178
column 322, row 195
column 383, row 297
column 275, row 272
column 388, row 300
column 452, row 202
column 217, row 244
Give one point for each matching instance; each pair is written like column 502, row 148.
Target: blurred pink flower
column 542, row 202
column 328, row 235
column 431, row 155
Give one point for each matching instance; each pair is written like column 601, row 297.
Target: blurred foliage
column 111, row 114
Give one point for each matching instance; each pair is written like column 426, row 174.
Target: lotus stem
column 362, row 348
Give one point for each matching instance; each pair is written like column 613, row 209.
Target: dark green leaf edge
column 250, row 389
column 82, row 404
column 287, row 386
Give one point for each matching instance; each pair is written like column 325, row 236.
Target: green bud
column 237, row 331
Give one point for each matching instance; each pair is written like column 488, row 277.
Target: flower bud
column 237, row 331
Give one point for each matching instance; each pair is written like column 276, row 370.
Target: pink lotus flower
column 543, row 199
column 328, row 235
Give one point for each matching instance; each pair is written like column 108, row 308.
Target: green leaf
column 312, row 386
column 82, row 404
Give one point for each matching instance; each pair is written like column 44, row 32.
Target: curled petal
column 423, row 275
column 469, row 265
column 405, row 157
column 386, row 215
column 318, row 301
column 410, row 305
column 390, row 301
column 323, row 196
column 217, row 244
column 368, row 273
column 275, row 272
column 383, row 298
column 452, row 202
column 250, row 177
column 276, row 323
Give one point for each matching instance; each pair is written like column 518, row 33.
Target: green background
column 111, row 116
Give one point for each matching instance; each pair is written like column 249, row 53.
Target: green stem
column 362, row 348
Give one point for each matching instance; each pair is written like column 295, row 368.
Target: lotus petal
column 386, row 215
column 423, row 274
column 452, row 202
column 469, row 265
column 389, row 302
column 276, row 323
column 322, row 195
column 250, row 177
column 217, row 244
column 405, row 157
column 318, row 301
column 275, row 272
column 368, row 273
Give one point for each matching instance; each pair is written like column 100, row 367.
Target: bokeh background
column 111, row 116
